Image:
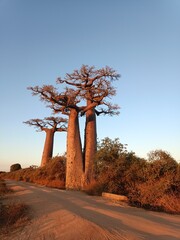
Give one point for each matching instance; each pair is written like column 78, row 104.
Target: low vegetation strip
column 12, row 214
column 3, row 188
column 51, row 175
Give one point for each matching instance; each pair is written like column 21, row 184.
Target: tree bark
column 90, row 145
column 48, row 147
column 74, row 164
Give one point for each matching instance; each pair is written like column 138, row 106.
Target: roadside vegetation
column 51, row 175
column 12, row 215
column 152, row 183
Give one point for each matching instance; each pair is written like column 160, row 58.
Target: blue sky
column 41, row 40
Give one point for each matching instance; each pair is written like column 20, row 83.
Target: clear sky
column 41, row 40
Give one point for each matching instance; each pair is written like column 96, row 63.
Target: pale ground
column 71, row 215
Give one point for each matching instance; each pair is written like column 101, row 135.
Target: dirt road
column 70, row 215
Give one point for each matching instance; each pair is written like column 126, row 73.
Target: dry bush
column 51, row 183
column 169, row 203
column 156, row 194
column 56, row 184
column 52, row 175
column 153, row 184
column 3, row 188
column 136, row 180
column 12, row 215
column 48, row 236
column 94, row 188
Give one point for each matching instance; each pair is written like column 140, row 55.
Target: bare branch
column 59, row 102
column 56, row 123
column 109, row 110
column 94, row 85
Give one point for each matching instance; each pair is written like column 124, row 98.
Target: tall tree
column 49, row 125
column 95, row 87
column 88, row 96
column 67, row 103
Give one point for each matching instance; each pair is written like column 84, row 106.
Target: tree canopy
column 87, row 91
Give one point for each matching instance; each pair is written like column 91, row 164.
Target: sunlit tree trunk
column 48, row 147
column 90, row 145
column 74, row 165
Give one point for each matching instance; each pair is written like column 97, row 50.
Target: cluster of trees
column 86, row 93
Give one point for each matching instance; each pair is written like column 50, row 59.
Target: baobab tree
column 49, row 125
column 88, row 96
column 94, row 85
column 67, row 103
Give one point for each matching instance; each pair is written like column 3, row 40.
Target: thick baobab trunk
column 90, row 146
column 48, row 147
column 74, row 164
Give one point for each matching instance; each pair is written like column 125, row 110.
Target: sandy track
column 71, row 215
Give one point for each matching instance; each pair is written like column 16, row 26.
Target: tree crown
column 55, row 123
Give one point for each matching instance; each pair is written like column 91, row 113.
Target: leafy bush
column 147, row 183
column 15, row 167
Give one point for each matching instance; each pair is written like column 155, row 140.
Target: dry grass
column 95, row 188
column 51, row 175
column 48, row 236
column 156, row 195
column 3, row 188
column 51, row 183
column 169, row 203
column 12, row 214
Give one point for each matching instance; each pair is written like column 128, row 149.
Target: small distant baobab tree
column 49, row 125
